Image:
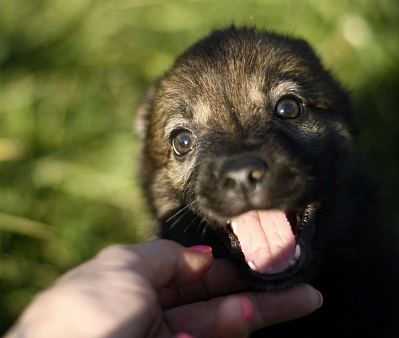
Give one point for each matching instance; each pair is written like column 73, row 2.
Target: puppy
column 249, row 146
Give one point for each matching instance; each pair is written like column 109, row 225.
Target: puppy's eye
column 288, row 108
column 183, row 141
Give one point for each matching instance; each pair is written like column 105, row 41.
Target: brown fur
column 225, row 89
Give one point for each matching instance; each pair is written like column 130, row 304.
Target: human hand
column 158, row 289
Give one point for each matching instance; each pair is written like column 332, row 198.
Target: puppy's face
column 243, row 141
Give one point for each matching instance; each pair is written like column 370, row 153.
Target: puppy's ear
column 143, row 114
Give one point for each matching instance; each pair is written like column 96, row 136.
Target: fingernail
column 201, row 248
column 184, row 335
column 247, row 308
column 320, row 299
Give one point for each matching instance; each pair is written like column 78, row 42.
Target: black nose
column 242, row 175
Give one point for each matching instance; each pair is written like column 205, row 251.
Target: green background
column 72, row 74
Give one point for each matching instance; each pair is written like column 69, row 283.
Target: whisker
column 190, row 224
column 150, row 233
column 202, row 222
column 178, row 212
column 204, row 229
column 179, row 218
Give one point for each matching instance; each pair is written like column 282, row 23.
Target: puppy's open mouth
column 274, row 242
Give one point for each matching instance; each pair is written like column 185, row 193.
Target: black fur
column 224, row 90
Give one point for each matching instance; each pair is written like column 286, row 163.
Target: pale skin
column 158, row 289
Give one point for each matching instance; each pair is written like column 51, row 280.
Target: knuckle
column 117, row 253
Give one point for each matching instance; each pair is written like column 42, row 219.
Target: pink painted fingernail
column 201, row 248
column 248, row 309
column 184, row 335
column 320, row 299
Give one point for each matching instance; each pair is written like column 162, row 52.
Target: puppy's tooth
column 297, row 254
column 233, row 225
column 252, row 266
column 298, row 220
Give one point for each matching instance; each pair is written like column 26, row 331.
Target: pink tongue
column 266, row 240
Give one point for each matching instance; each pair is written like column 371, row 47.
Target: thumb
column 162, row 262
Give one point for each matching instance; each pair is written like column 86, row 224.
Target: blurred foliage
column 71, row 76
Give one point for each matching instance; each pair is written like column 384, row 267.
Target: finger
column 221, row 279
column 183, row 335
column 162, row 262
column 279, row 307
column 199, row 319
column 233, row 317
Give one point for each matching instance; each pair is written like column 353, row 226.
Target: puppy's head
column 243, row 140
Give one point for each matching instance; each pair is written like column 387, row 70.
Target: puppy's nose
column 242, row 175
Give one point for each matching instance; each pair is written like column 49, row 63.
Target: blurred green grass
column 71, row 76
